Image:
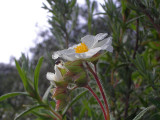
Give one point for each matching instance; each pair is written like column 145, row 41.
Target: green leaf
column 74, row 100
column 143, row 112
column 28, row 111
column 134, row 19
column 13, row 94
column 44, row 114
column 22, row 75
column 36, row 74
column 72, row 4
column 93, row 6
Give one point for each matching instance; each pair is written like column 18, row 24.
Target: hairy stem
column 96, row 97
column 101, row 89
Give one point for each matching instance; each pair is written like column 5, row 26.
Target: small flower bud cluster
column 65, row 74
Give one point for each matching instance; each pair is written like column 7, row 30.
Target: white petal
column 61, row 53
column 100, row 36
column 88, row 54
column 74, row 46
column 107, row 47
column 92, row 42
column 107, row 41
column 70, row 57
column 89, row 40
column 58, row 74
column 50, row 76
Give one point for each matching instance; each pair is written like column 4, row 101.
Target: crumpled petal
column 107, row 41
column 61, row 52
column 101, row 36
column 50, row 76
column 58, row 74
column 91, row 40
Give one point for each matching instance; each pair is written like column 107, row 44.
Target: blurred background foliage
column 130, row 75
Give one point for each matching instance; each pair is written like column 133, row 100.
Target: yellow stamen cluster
column 81, row 48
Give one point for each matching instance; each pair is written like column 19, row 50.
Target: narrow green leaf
column 73, row 101
column 13, row 94
column 88, row 3
column 36, row 74
column 28, row 111
column 143, row 112
column 22, row 75
column 93, row 6
column 134, row 19
column 72, row 4
column 43, row 114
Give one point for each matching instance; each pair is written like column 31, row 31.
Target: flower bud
column 60, row 93
column 81, row 79
column 58, row 78
column 60, row 104
column 74, row 66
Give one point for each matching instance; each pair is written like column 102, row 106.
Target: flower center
column 81, row 48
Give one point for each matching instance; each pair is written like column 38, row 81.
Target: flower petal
column 94, row 44
column 61, row 53
column 58, row 74
column 88, row 40
column 77, row 56
column 50, row 76
column 100, row 36
column 70, row 57
column 107, row 41
column 91, row 40
column 107, row 46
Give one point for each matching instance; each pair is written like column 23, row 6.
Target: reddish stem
column 100, row 103
column 101, row 89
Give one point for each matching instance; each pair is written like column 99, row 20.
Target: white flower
column 90, row 46
column 54, row 77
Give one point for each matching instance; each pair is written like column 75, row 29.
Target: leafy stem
column 101, row 89
column 96, row 97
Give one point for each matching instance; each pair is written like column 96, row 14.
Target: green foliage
column 138, row 117
column 36, row 75
column 130, row 75
column 9, row 95
column 32, row 92
column 91, row 7
column 63, row 19
column 73, row 101
column 22, row 75
column 29, row 110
